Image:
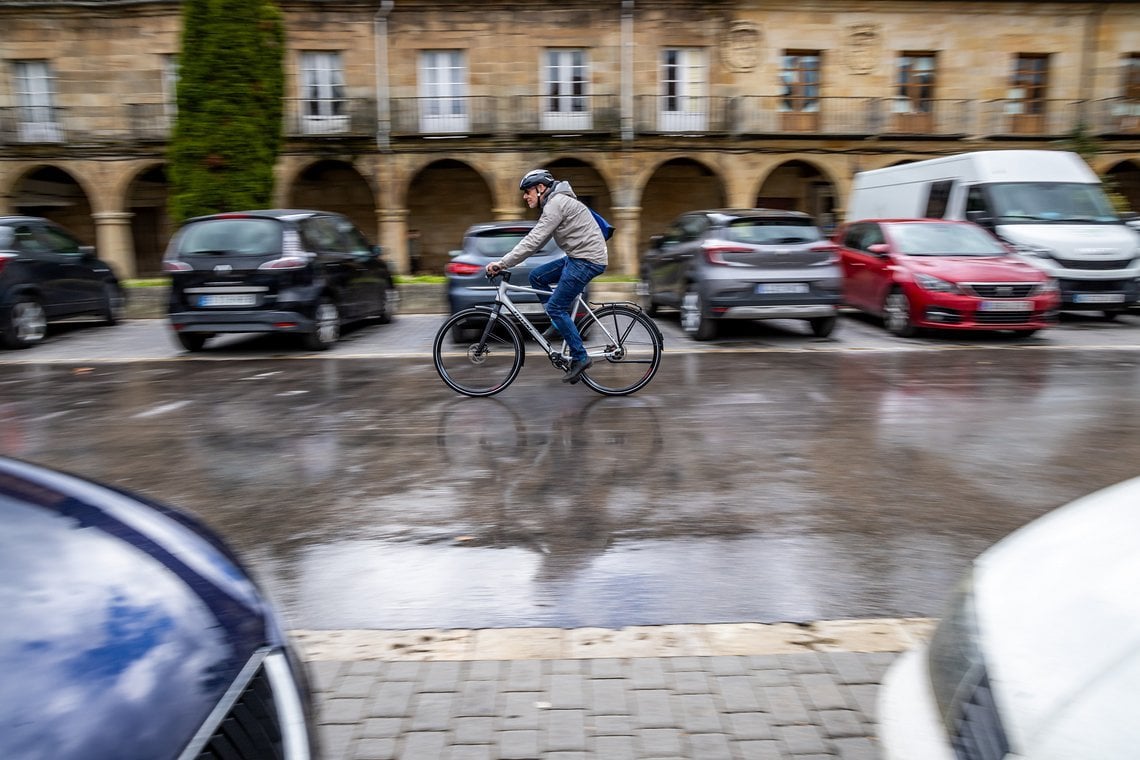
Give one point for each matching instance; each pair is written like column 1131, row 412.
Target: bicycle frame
column 503, row 299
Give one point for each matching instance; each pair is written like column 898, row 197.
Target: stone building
column 417, row 117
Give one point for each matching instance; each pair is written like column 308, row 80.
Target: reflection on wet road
column 745, row 487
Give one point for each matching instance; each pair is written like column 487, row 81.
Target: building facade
column 417, row 118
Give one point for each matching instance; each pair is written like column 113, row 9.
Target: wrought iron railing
column 514, row 116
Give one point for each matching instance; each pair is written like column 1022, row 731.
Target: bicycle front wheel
column 625, row 347
column 474, row 360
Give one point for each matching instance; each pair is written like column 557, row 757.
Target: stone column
column 394, row 237
column 625, row 257
column 114, row 242
column 507, row 214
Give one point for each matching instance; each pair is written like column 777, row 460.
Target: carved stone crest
column 740, row 46
column 863, row 47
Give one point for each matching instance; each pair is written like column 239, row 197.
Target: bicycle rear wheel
column 476, row 367
column 625, row 347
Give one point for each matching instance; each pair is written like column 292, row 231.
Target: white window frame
column 323, row 108
column 34, row 87
column 444, row 106
column 684, row 90
column 566, row 90
column 170, row 75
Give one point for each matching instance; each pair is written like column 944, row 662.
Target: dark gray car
column 487, row 242
column 747, row 264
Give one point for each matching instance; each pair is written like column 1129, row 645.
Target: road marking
column 871, row 635
column 162, row 409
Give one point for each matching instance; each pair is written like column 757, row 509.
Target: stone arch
column 335, row 185
column 674, row 186
column 588, row 183
column 1123, row 178
column 444, row 198
column 55, row 193
column 801, row 185
column 145, row 197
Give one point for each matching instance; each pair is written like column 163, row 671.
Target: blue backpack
column 606, row 228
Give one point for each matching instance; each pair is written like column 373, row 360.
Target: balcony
column 512, row 117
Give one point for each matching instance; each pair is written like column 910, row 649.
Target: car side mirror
column 7, row 239
column 979, row 218
column 880, row 249
column 87, row 252
column 656, row 240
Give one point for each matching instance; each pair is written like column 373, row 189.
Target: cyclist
column 572, row 226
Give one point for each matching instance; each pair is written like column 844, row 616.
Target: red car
column 938, row 273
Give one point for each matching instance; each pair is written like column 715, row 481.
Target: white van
column 1049, row 205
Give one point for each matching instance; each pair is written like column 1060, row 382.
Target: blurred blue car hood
column 122, row 622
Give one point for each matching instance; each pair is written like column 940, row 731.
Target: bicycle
column 487, row 352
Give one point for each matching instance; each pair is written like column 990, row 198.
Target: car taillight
column 286, row 262
column 462, row 269
column 714, row 253
column 176, row 266
column 4, row 257
column 829, row 249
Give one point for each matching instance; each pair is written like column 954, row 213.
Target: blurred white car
column 1038, row 655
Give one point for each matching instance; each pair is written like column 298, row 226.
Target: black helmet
column 536, row 177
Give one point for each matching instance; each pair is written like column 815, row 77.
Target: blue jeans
column 571, row 276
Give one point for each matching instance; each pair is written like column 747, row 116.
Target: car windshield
column 247, row 237
column 934, row 239
column 1050, row 202
column 772, row 231
column 496, row 243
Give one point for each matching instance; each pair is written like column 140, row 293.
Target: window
column 684, row 81
column 938, row 198
column 1127, row 110
column 34, row 89
column 170, row 84
column 443, row 91
column 565, row 104
column 915, row 90
column 800, row 81
column 1028, row 85
column 323, row 108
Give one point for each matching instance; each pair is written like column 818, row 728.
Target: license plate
column 529, row 308
column 775, row 288
column 228, row 299
column 1006, row 306
column 1098, row 298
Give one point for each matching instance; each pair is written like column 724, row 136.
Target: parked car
column 130, row 630
column 1038, row 654
column 46, row 275
column 275, row 271
column 490, row 241
column 742, row 264
column 939, row 273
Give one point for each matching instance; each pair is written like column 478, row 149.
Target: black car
column 275, row 271
column 131, row 631
column 47, row 275
column 490, row 241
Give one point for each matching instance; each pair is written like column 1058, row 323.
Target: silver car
column 745, row 264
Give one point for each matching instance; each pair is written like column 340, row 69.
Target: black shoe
column 577, row 367
column 551, row 333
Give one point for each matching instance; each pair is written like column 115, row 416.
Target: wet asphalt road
column 766, row 477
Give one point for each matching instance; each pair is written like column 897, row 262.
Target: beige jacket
column 569, row 222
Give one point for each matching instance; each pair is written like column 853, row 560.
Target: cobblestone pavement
column 429, row 695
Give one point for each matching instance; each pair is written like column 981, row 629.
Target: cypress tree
column 230, row 87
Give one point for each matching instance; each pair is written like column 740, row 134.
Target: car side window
column 976, row 201
column 852, row 238
column 873, row 236
column 321, row 236
column 692, row 227
column 354, row 240
column 57, row 241
column 27, row 241
column 674, row 233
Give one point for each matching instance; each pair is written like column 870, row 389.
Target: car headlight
column 1035, row 250
column 960, row 680
column 929, row 282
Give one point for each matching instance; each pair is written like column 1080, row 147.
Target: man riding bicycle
column 570, row 223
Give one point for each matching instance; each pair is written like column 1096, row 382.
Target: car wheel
column 896, row 314
column 391, row 305
column 326, row 329
column 821, row 327
column 192, row 341
column 114, row 304
column 26, row 323
column 693, row 319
